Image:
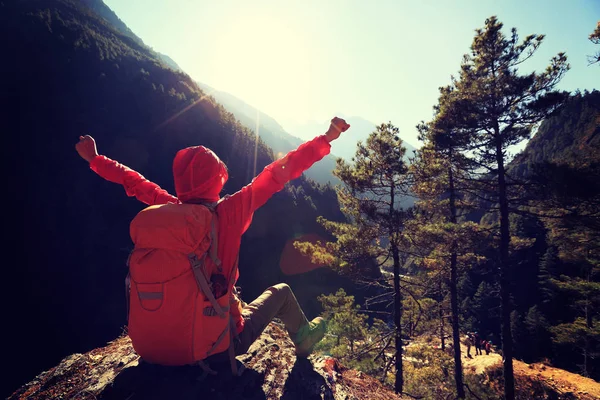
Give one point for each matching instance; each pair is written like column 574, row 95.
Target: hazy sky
column 382, row 60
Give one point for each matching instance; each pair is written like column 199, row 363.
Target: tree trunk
column 588, row 325
column 507, row 343
column 399, row 383
column 441, row 315
column 398, row 387
column 458, row 372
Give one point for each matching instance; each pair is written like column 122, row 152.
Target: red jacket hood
column 199, row 175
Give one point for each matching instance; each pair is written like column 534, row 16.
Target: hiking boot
column 309, row 335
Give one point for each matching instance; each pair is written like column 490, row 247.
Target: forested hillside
column 496, row 251
column 274, row 135
column 554, row 278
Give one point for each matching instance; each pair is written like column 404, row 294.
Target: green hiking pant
column 276, row 302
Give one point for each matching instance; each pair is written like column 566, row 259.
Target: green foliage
column 427, row 370
column 344, row 321
column 371, row 198
column 485, row 305
column 351, row 339
column 538, row 334
column 566, row 197
column 581, row 337
column 487, row 109
column 519, row 332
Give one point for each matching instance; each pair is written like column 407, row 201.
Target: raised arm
column 275, row 175
column 134, row 183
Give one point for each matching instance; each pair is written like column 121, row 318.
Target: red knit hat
column 199, row 175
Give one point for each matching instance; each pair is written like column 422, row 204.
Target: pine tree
column 519, row 334
column 344, row 319
column 493, row 108
column 440, row 171
column 374, row 186
column 548, row 270
column 583, row 337
column 569, row 203
column 537, row 331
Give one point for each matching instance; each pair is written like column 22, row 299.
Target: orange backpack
column 174, row 318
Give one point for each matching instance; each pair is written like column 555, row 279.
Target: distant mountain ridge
column 281, row 141
column 270, row 131
column 345, row 147
column 273, row 134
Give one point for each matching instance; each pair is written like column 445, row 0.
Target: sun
column 266, row 63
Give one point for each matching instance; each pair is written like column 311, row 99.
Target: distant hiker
column 488, row 347
column 477, row 341
column 483, row 344
column 183, row 305
column 468, row 342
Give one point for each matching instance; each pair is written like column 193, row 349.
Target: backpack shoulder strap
column 214, row 244
column 197, row 268
column 214, row 240
column 214, row 234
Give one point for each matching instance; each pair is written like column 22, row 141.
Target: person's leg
column 276, row 302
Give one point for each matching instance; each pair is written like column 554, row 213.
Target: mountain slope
column 69, row 72
column 102, row 10
column 560, row 167
column 572, row 135
column 273, row 134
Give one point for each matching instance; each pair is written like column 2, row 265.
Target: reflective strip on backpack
column 203, row 284
column 150, row 295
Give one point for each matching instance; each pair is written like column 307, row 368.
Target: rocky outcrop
column 272, row 372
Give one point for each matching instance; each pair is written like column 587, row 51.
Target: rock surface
column 272, row 372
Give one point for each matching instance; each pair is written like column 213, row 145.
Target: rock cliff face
column 272, row 372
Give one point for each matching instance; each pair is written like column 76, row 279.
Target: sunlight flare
column 266, row 63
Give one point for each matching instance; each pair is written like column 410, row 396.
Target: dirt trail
column 478, row 364
column 560, row 380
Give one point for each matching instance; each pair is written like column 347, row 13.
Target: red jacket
column 234, row 212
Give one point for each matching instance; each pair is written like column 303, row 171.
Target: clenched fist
column 86, row 147
column 336, row 128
